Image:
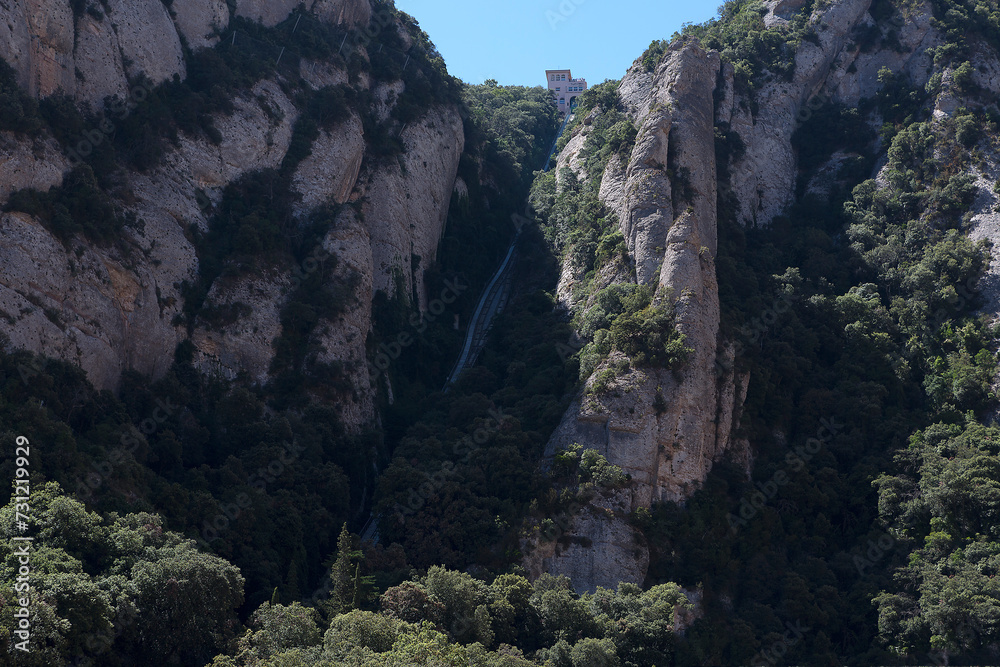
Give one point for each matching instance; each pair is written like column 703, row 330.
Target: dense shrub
column 78, row 206
column 741, row 37
column 941, row 509
column 115, row 585
column 648, row 338
column 515, row 124
column 962, row 21
column 18, row 111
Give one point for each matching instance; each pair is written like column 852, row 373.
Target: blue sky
column 515, row 41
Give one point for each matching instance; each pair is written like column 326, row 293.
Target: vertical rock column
column 687, row 274
column 666, row 201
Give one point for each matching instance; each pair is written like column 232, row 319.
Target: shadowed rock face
column 672, row 240
column 109, row 310
column 273, row 12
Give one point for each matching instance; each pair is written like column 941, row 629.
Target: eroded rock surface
column 120, row 307
column 199, row 20
column 330, row 172
column 394, row 198
column 27, row 163
column 665, row 429
column 94, row 54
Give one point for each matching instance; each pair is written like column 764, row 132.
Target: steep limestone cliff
column 272, row 12
column 343, row 149
column 117, row 307
column 27, row 163
column 420, row 189
column 830, row 68
column 666, row 450
column 198, row 20
column 95, row 53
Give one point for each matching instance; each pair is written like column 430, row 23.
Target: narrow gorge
column 742, row 381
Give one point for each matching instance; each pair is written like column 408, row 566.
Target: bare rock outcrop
column 252, row 139
column 319, row 74
column 198, row 20
column 38, row 44
column 95, row 53
column 266, row 12
column 118, row 307
column 667, row 429
column 332, row 169
column 53, row 51
column 273, row 12
column 569, row 157
column 84, row 57
column 147, row 38
column 104, row 74
column 396, row 195
column 664, row 429
column 763, row 180
column 598, row 549
column 167, row 202
column 349, row 12
column 779, row 12
column 27, row 163
column 343, row 341
column 855, row 73
column 79, row 307
column 829, row 68
column 250, row 308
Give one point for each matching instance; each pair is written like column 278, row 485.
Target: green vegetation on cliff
column 211, row 516
column 877, row 337
column 264, row 477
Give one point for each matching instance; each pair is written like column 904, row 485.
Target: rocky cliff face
column 114, row 308
column 831, row 68
column 669, row 450
column 95, row 53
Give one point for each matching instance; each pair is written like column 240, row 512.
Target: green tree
column 946, row 505
column 275, row 629
column 594, row 653
column 344, row 575
column 119, row 586
column 410, row 602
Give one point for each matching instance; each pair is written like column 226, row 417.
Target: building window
column 557, row 87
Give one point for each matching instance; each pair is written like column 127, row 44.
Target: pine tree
column 343, row 586
column 349, row 589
